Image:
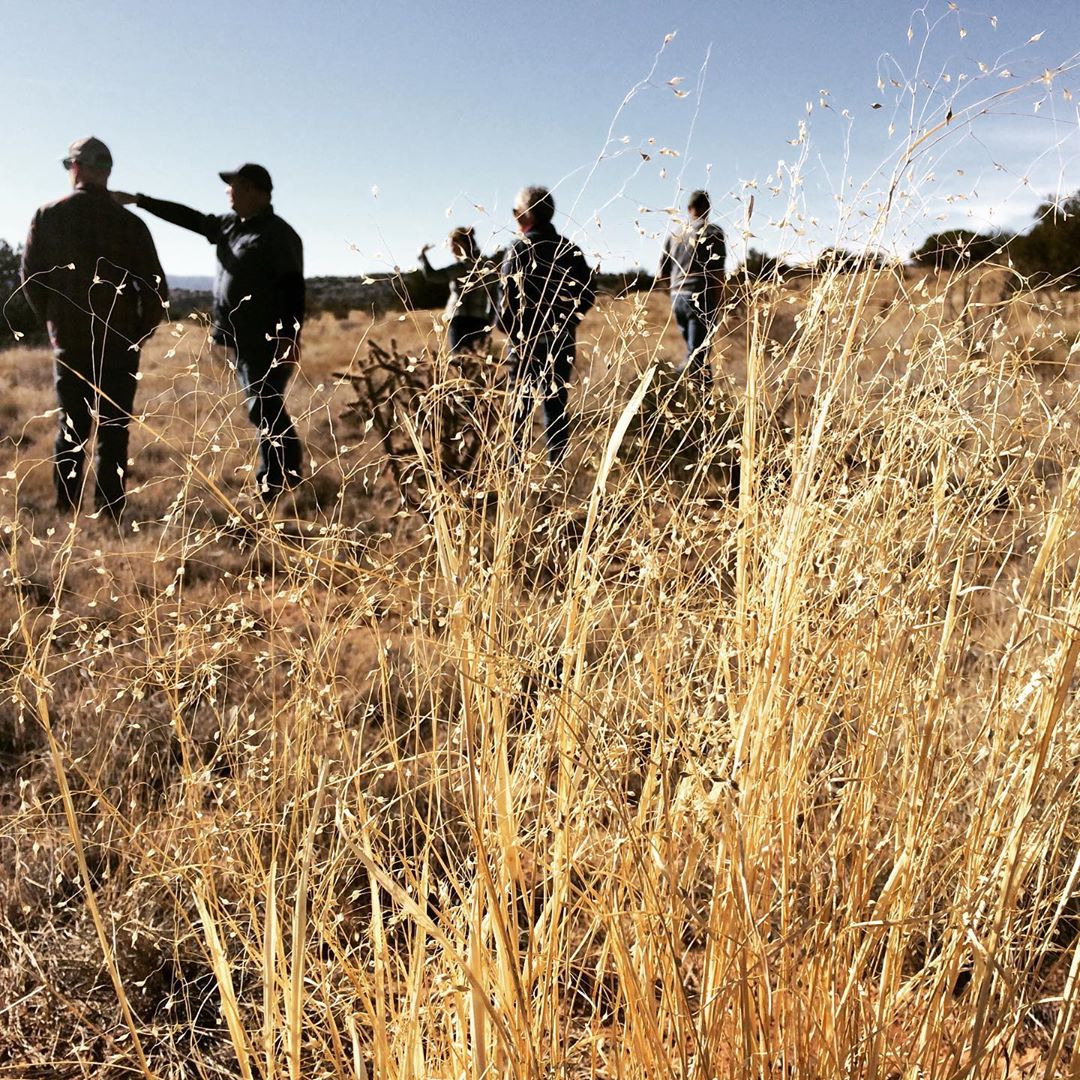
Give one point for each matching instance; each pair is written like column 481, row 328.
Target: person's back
column 547, row 285
column 90, row 267
column 694, row 258
column 692, row 266
column 91, row 272
column 546, row 288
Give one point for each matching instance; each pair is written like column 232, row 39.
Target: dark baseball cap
column 255, row 175
column 89, row 151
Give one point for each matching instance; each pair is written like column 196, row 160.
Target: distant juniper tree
column 951, row 249
column 845, row 261
column 17, row 321
column 1050, row 252
column 759, row 266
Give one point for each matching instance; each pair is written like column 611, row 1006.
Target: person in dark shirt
column 92, row 274
column 471, row 280
column 545, row 290
column 258, row 309
column 692, row 265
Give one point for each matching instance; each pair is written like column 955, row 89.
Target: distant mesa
column 191, row 282
column 376, row 293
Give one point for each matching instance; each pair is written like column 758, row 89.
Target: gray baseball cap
column 89, row 151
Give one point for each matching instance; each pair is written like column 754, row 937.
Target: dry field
column 661, row 768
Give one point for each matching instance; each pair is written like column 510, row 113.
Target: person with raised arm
column 468, row 315
column 258, row 310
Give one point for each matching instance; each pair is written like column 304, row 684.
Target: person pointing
column 258, row 308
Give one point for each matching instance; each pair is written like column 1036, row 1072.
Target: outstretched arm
column 208, row 225
column 430, row 272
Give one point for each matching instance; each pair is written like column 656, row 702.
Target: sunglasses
column 70, row 163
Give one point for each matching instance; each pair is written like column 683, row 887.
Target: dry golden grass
column 646, row 777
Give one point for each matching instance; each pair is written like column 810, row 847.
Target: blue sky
column 385, row 124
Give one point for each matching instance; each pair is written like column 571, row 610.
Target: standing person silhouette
column 545, row 290
column 91, row 272
column 258, row 309
column 468, row 313
column 692, row 265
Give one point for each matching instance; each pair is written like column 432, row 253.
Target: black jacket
column 545, row 287
column 91, row 270
column 259, row 290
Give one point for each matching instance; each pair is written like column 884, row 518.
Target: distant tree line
column 410, row 290
column 758, row 265
column 1049, row 253
column 389, row 291
column 16, row 318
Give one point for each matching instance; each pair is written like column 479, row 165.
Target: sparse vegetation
column 16, row 317
column 1050, row 251
column 653, row 776
column 955, row 248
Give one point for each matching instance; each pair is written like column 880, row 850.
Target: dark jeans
column 541, row 368
column 281, row 454
column 466, row 332
column 87, row 383
column 697, row 321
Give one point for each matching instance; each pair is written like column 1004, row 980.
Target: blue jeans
column 281, row 453
column 541, row 367
column 697, row 321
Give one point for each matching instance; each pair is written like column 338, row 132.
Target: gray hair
column 538, row 202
